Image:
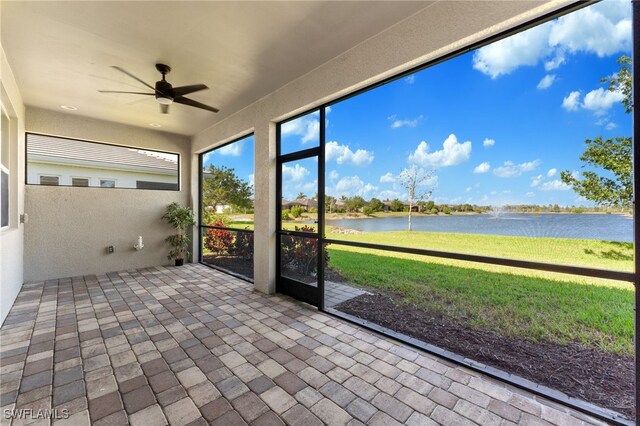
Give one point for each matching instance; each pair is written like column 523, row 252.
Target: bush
column 285, row 215
column 446, row 210
column 296, row 211
column 218, row 241
column 242, row 245
column 299, row 254
column 368, row 210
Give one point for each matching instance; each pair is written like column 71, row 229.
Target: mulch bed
column 234, row 264
column 599, row 377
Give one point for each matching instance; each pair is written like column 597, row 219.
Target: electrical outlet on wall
column 110, row 249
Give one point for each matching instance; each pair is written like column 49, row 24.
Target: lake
column 608, row 227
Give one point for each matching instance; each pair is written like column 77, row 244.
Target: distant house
column 56, row 161
column 305, row 203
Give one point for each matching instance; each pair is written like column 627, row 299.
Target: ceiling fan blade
column 133, row 76
column 164, row 109
column 185, row 90
column 191, row 102
column 129, row 93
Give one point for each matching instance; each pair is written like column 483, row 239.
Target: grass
column 513, row 305
column 588, row 253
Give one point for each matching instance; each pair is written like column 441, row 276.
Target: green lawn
column 588, row 253
column 513, row 305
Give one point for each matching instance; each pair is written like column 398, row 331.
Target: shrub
column 296, row 211
column 242, row 245
column 285, row 215
column 299, row 254
column 368, row 210
column 218, row 240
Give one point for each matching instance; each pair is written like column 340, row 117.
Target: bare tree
column 416, row 181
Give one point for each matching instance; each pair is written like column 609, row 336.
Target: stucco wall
column 69, row 228
column 441, row 28
column 12, row 238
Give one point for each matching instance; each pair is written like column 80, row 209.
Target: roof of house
column 69, row 149
column 301, row 202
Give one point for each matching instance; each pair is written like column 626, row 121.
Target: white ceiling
column 61, row 52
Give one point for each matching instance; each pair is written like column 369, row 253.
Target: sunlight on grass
column 513, row 305
column 587, row 253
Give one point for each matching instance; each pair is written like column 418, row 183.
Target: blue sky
column 495, row 126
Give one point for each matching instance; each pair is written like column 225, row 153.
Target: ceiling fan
column 165, row 93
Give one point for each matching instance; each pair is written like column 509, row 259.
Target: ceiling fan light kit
column 164, row 92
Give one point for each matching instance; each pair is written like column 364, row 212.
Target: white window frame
column 81, row 177
column 41, row 175
column 115, row 182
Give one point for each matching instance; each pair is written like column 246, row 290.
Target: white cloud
column 598, row 100
column 572, row 101
column 410, row 79
column 601, row 100
column 206, row 157
column 555, row 185
column 295, row 173
column 388, row 178
column 607, row 123
column 343, row 155
column 603, row 29
column 488, row 142
column 555, row 62
column 509, row 169
column 307, row 127
column 404, row 123
column 546, row 82
column 333, row 175
column 353, row 185
column 252, row 179
column 530, row 194
column 469, row 189
column 552, row 172
column 451, row 154
column 231, row 150
column 504, row 56
column 536, row 180
column 482, row 168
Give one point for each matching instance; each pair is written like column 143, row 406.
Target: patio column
column 265, row 208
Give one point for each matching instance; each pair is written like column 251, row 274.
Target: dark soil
column 599, row 377
column 235, row 264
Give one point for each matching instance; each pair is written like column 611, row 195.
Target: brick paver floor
column 193, row 346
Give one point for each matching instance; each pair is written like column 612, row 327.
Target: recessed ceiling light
column 69, row 107
column 155, row 125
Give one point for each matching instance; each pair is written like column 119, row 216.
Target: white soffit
column 61, row 52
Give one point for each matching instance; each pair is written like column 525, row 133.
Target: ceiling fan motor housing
column 164, row 91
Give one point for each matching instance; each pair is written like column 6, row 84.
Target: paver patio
column 194, row 346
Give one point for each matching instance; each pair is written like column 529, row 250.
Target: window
column 79, row 182
column 142, row 184
column 226, row 214
column 92, row 164
column 50, row 180
column 4, row 169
